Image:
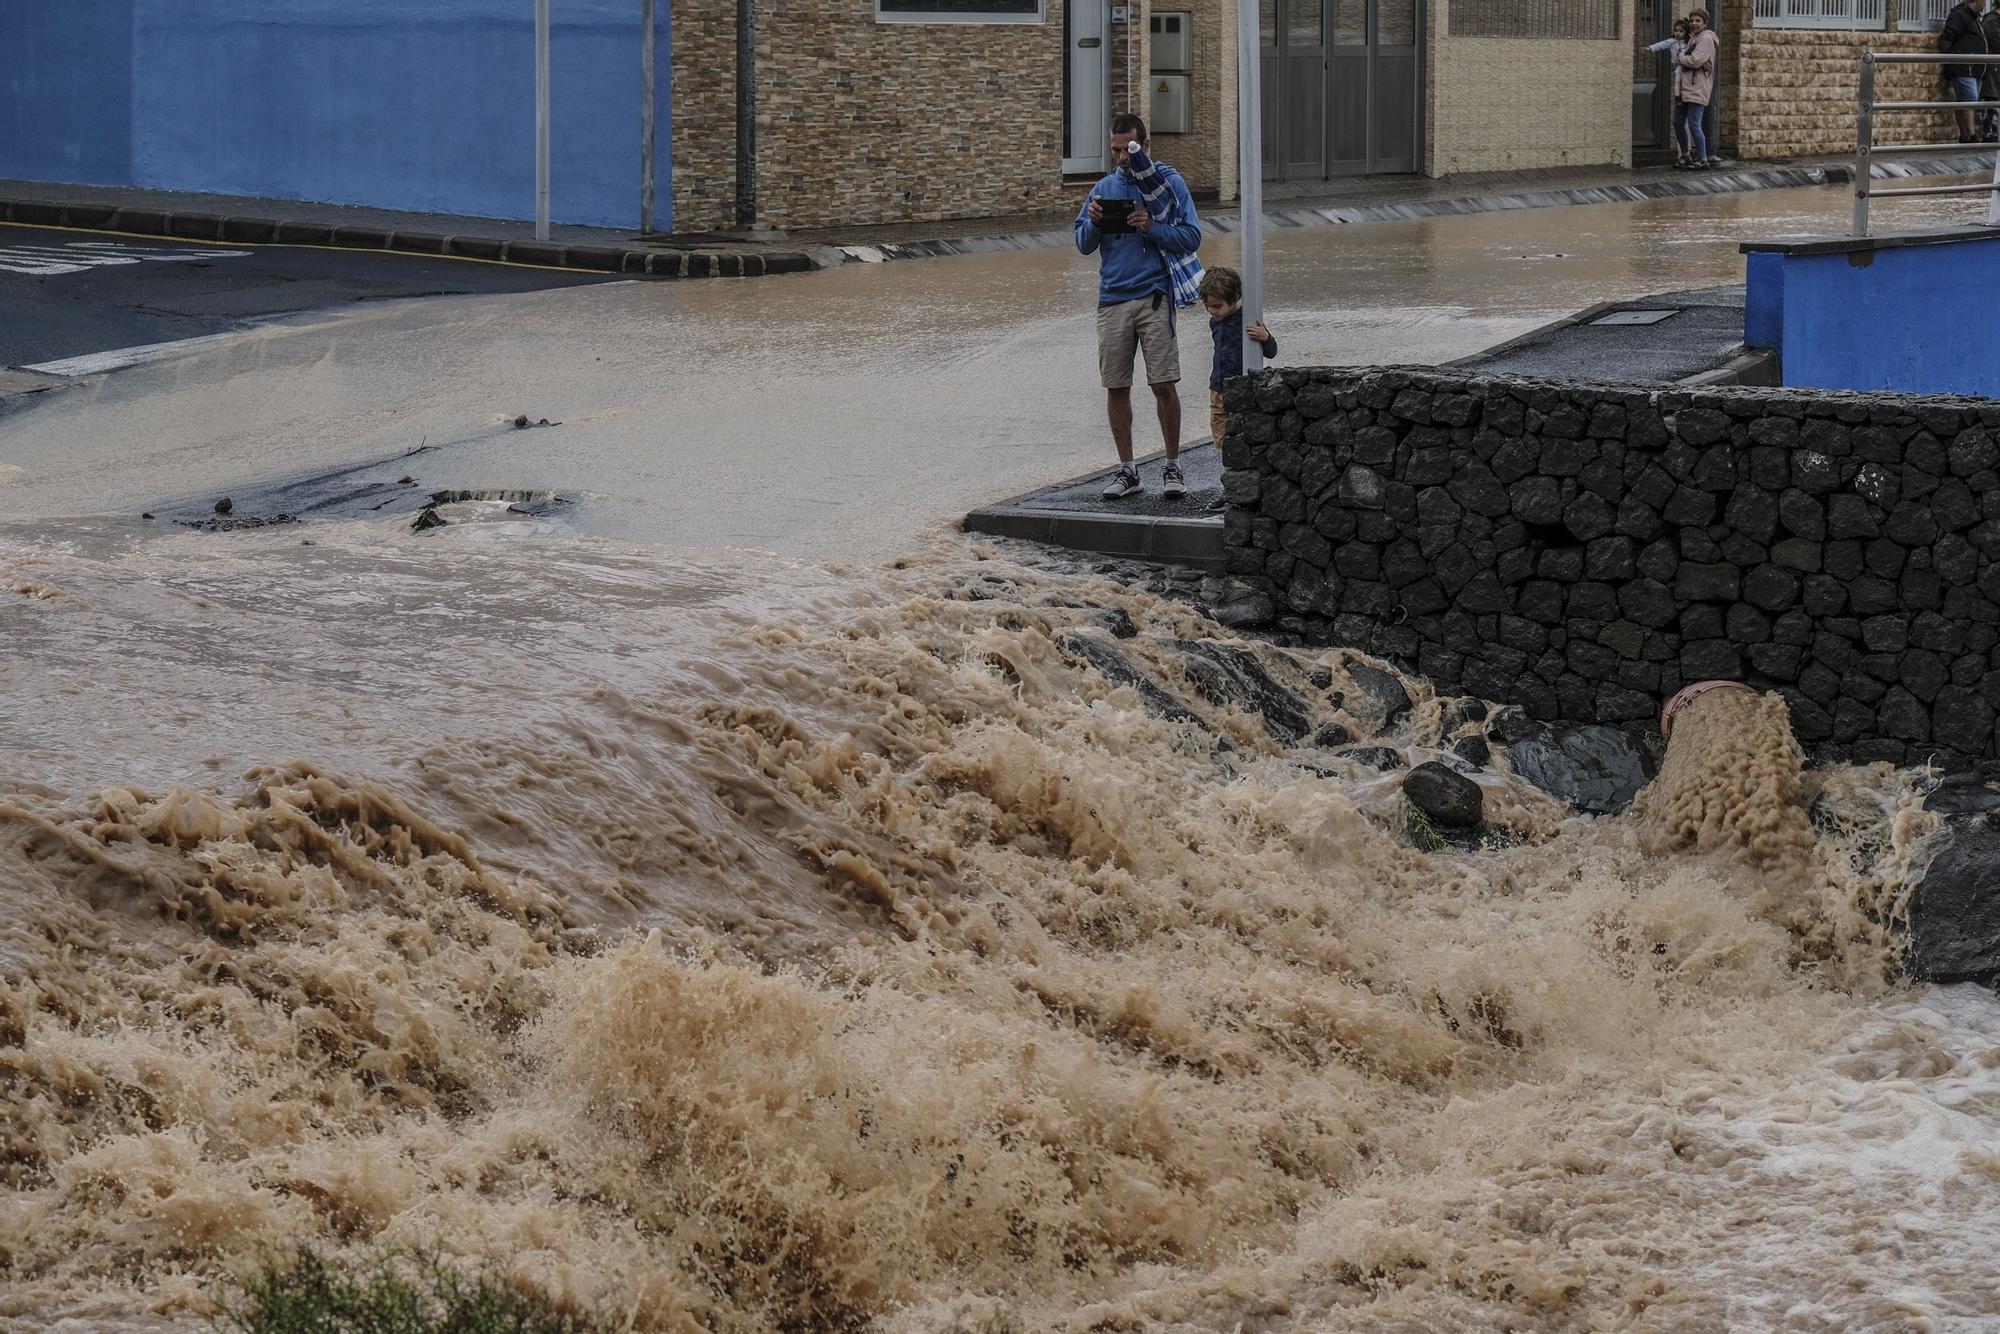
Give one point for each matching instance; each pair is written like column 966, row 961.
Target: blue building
column 424, row 105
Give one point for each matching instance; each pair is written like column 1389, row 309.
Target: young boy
column 1222, row 295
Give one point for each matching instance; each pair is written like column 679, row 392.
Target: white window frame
column 1040, row 15
column 1911, row 18
column 1841, row 15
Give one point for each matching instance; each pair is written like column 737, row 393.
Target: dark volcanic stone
column 1536, row 500
column 1384, row 690
column 1955, row 915
column 1224, row 673
column 1446, row 796
column 1596, row 769
column 1473, row 750
column 1707, row 583
column 1385, row 758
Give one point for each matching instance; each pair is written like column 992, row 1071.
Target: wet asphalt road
column 65, row 293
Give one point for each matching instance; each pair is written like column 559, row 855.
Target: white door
column 1087, row 86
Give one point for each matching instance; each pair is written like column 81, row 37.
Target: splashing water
column 959, row 946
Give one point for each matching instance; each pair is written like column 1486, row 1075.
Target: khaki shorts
column 1218, row 416
column 1137, row 326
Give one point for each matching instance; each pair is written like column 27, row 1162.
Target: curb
column 1685, row 186
column 629, row 261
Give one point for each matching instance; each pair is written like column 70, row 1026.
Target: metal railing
column 1865, row 147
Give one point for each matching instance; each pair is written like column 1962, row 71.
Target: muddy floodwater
column 883, row 929
column 823, row 415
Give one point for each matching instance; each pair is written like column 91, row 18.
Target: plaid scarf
column 1183, row 271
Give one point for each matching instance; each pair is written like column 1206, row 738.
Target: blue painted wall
column 426, row 106
column 1915, row 319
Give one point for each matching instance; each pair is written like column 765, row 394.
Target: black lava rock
column 1955, row 915
column 1446, row 796
column 1596, row 769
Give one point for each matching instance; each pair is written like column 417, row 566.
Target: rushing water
column 738, row 944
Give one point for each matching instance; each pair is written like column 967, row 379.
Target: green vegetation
column 1425, row 834
column 306, row 1293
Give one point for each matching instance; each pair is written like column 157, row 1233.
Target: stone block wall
column 1795, row 91
column 1519, row 103
column 863, row 122
column 1585, row 551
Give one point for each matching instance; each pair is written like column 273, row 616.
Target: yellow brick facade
column 865, row 122
column 1519, row 103
column 1796, row 90
column 1206, row 155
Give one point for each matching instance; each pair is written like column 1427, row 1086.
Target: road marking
column 94, row 363
column 80, row 256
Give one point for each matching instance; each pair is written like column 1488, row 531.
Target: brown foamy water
column 731, row 944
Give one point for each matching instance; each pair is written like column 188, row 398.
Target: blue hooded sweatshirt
column 1134, row 264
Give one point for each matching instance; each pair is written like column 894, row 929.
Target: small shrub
column 305, row 1293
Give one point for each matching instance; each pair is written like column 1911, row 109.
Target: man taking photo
column 1140, row 221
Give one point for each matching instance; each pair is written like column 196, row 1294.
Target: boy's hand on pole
column 1259, row 332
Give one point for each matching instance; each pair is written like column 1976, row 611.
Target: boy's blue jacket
column 1228, row 335
column 1134, row 264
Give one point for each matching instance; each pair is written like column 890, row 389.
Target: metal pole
column 1250, row 169
column 1864, row 144
column 746, row 114
column 1993, row 200
column 541, row 120
column 648, row 21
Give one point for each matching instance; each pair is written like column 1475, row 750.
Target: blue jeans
column 1966, row 88
column 1688, row 129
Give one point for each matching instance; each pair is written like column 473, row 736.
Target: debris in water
column 224, row 505
column 427, row 520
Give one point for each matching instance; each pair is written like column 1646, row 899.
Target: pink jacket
column 1698, row 68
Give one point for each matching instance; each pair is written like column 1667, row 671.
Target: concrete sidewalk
column 233, row 218
column 1147, row 526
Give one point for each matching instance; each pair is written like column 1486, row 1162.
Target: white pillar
column 541, row 120
column 1250, row 169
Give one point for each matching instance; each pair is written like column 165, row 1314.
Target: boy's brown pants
column 1218, row 418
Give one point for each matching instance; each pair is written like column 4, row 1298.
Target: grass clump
column 305, row 1293
column 1425, row 834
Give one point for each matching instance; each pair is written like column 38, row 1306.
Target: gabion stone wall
column 1585, row 550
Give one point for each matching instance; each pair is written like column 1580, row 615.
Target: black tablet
column 1117, row 215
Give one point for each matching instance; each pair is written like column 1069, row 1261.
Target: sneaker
column 1171, row 481
column 1123, row 483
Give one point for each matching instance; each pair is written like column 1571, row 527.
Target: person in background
column 1697, row 86
column 1139, row 262
column 1673, row 46
column 1222, row 296
column 1989, row 119
column 1962, row 35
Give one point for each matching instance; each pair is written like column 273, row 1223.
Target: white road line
column 95, row 363
column 47, row 260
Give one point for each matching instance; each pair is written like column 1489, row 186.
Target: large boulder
column 1448, row 797
column 1595, row 769
column 1955, row 914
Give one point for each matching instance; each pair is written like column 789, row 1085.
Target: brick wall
column 1512, row 103
column 860, row 122
column 1207, row 155
column 1796, row 90
column 1585, row 551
